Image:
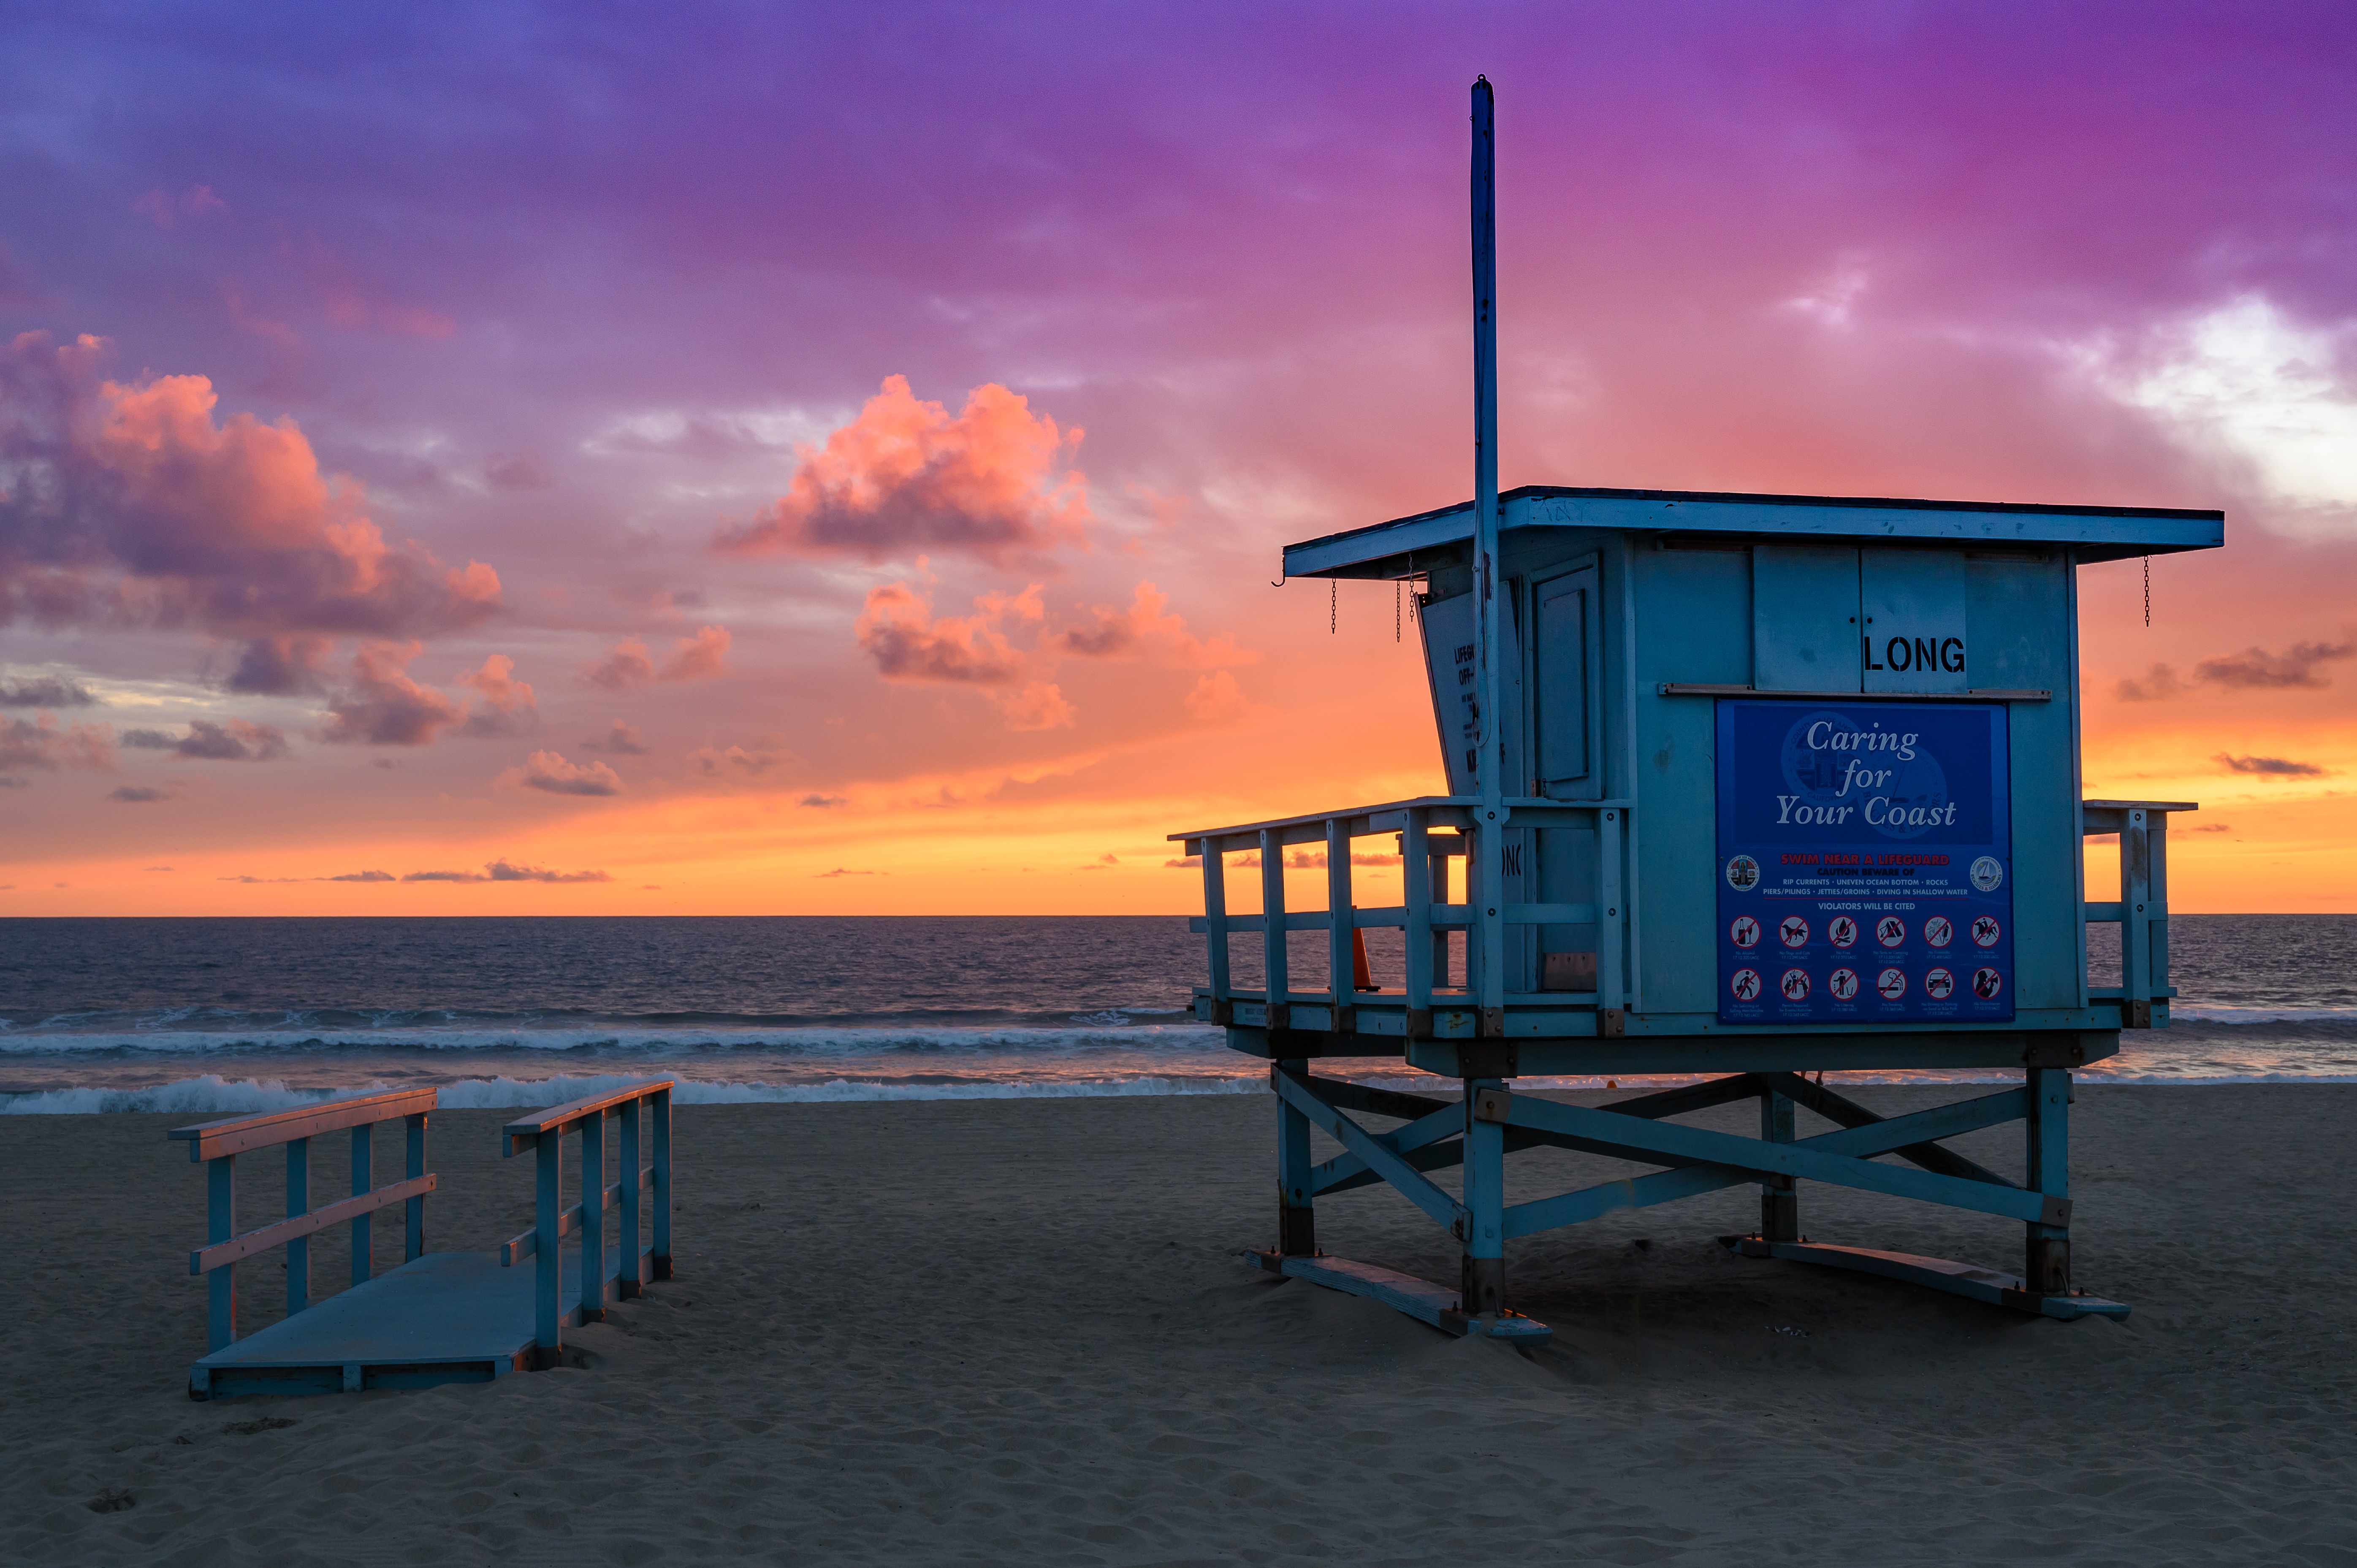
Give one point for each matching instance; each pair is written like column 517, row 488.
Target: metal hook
column 1281, row 576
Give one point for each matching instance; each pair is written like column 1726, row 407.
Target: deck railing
column 644, row 1110
column 1430, row 832
column 2142, row 912
column 218, row 1144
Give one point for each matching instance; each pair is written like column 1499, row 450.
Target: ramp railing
column 2142, row 912
column 644, row 1110
column 218, row 1143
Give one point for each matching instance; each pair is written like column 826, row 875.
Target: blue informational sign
column 1866, row 863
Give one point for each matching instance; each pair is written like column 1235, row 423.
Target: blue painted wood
column 593, row 1205
column 445, row 1317
column 238, row 1134
column 627, row 1192
column 1629, row 1138
column 548, row 1172
column 363, row 1153
column 1485, row 1233
column 298, row 1203
column 1410, row 1182
column 1276, row 974
column 1990, row 1285
column 413, row 1247
column 220, row 1225
column 519, row 1135
column 1417, row 1298
column 220, row 1255
column 1341, row 942
column 1606, row 1197
column 659, row 1124
column 1215, row 917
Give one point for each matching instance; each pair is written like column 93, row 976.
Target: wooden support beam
column 1848, row 1112
column 1410, row 1182
column 216, row 1258
column 363, row 1179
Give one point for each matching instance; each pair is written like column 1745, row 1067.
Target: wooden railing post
column 1612, row 958
column 413, row 1247
column 1415, row 878
column 593, row 1217
column 298, row 1203
column 2047, row 1267
column 363, row 1178
column 626, row 1285
column 1341, row 947
column 2135, row 921
column 662, row 1139
column 1272, row 936
column 2157, row 897
column 1215, row 926
column 547, row 1257
column 220, row 1225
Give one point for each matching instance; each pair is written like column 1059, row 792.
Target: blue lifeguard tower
column 1739, row 786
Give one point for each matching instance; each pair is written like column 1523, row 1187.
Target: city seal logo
column 1743, row 874
column 1988, row 874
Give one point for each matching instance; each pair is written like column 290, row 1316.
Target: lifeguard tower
column 1741, row 788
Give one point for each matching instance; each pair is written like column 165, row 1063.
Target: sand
column 1017, row 1332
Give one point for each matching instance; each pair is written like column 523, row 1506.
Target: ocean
column 225, row 1015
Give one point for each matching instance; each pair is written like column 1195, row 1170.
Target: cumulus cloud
column 822, row 802
column 548, row 771
column 46, row 692
column 41, row 744
column 896, row 628
column 629, row 663
column 2256, row 668
column 506, row 708
column 1143, row 630
column 906, row 475
column 1215, row 699
column 132, row 505
column 715, row 762
column 2269, row 768
column 621, row 740
column 236, row 741
column 382, row 706
column 501, row 871
column 1040, row 705
column 2253, row 669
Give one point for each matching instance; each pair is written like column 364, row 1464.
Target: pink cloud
column 896, row 628
column 551, row 773
column 906, row 475
column 1143, row 629
column 1038, row 705
column 621, row 740
column 629, row 663
column 41, row 744
column 382, row 706
column 132, row 505
column 165, row 209
column 1215, row 699
column 239, row 740
column 506, row 708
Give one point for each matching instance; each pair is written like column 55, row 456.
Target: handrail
column 218, row 1144
column 1378, row 818
column 644, row 1110
column 2142, row 909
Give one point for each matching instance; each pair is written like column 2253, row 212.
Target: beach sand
column 1018, row 1332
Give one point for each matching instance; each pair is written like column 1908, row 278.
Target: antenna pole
column 1488, row 836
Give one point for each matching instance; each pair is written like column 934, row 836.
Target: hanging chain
column 1333, row 604
column 1399, row 598
column 2147, row 592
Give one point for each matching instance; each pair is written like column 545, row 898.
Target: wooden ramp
column 446, row 1317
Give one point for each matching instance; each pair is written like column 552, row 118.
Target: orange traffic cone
column 1362, row 977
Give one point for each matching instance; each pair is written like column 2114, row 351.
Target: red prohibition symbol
column 1843, row 932
column 1890, row 984
column 1939, row 985
column 1938, row 930
column 1796, row 985
column 1792, row 932
column 1890, row 931
column 1745, row 984
column 1843, row 983
column 1985, row 930
column 1744, row 932
column 1987, row 983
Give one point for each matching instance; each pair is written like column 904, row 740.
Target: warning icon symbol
column 1843, row 983
column 1792, row 932
column 1843, row 932
column 1890, row 984
column 1985, row 930
column 1745, row 984
column 1987, row 983
column 1744, row 932
column 1890, row 931
column 1796, row 985
column 1938, row 930
column 1939, row 985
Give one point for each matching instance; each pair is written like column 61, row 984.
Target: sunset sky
column 707, row 460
